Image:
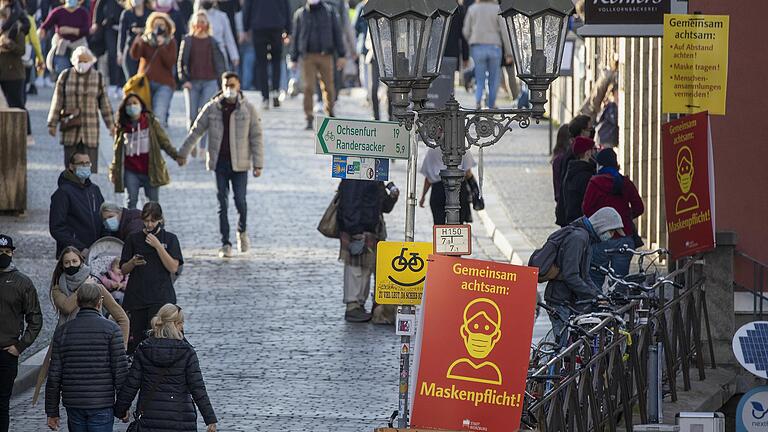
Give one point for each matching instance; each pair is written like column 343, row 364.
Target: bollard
column 13, row 160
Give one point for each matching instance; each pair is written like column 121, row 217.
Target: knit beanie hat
column 607, row 158
column 606, row 219
column 582, row 144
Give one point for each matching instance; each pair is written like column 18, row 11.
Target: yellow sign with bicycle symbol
column 401, row 268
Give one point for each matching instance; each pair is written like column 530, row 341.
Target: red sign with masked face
column 689, row 185
column 475, row 340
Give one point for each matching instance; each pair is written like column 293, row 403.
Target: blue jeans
column 487, row 60
column 558, row 322
column 90, row 420
column 619, row 263
column 239, row 179
column 161, row 101
column 60, row 63
column 247, row 64
column 133, row 182
column 196, row 97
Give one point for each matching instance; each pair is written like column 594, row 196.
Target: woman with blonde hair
column 201, row 63
column 156, row 51
column 167, row 372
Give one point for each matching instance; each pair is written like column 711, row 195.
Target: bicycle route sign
column 401, row 268
column 362, row 138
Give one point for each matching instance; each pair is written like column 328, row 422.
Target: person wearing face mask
column 201, row 63
column 573, row 283
column 171, row 8
column 268, row 24
column 68, row 276
column 168, row 363
column 79, row 97
column 71, row 24
column 156, row 50
column 611, row 189
column 223, row 32
column 132, row 22
column 232, row 153
column 20, row 322
column 152, row 258
column 120, row 222
column 576, row 179
column 137, row 161
column 75, row 218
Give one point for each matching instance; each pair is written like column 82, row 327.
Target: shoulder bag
column 135, row 425
column 139, row 84
column 69, row 118
column 329, row 225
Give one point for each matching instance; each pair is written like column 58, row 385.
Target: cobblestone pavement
column 268, row 326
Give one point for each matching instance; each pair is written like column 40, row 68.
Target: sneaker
column 225, row 251
column 243, row 243
column 357, row 315
column 276, row 102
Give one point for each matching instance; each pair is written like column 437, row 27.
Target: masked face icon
column 685, row 169
column 481, row 331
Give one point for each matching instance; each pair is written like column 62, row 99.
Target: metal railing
column 759, row 273
column 607, row 385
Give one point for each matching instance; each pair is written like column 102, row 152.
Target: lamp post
column 409, row 40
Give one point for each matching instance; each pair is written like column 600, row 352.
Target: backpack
column 545, row 258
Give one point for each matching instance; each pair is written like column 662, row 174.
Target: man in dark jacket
column 317, row 36
column 88, row 366
column 611, row 189
column 269, row 24
column 75, row 218
column 120, row 222
column 580, row 170
column 360, row 216
column 19, row 304
column 574, row 255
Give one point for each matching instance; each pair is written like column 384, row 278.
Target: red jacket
column 628, row 204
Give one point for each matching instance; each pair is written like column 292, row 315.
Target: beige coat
column 246, row 141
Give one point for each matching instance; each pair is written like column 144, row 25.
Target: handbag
column 135, row 425
column 329, row 225
column 139, row 84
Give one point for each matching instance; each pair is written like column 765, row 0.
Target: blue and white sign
column 752, row 413
column 357, row 168
column 750, row 346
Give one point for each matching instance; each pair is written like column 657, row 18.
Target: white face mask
column 229, row 93
column 606, row 236
column 83, row 67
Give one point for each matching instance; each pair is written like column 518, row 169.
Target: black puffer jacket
column 88, row 363
column 574, row 186
column 169, row 407
column 75, row 215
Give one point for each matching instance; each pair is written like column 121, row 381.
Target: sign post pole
column 405, row 340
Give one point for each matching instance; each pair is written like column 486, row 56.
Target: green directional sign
column 362, row 138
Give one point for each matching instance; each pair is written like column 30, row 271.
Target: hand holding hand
column 153, row 241
column 257, row 172
column 53, row 423
column 12, row 350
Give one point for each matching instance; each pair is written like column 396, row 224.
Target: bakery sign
column 628, row 17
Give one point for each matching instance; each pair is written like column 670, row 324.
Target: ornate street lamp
column 408, row 40
column 537, row 29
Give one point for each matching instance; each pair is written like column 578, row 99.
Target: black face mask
column 5, row 261
column 157, row 229
column 72, row 270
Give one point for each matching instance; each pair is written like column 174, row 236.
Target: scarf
column 618, row 179
column 69, row 284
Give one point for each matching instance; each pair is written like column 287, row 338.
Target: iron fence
column 605, row 384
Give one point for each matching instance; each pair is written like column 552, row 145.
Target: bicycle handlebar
column 623, row 249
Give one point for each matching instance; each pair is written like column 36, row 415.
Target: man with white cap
column 574, row 255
